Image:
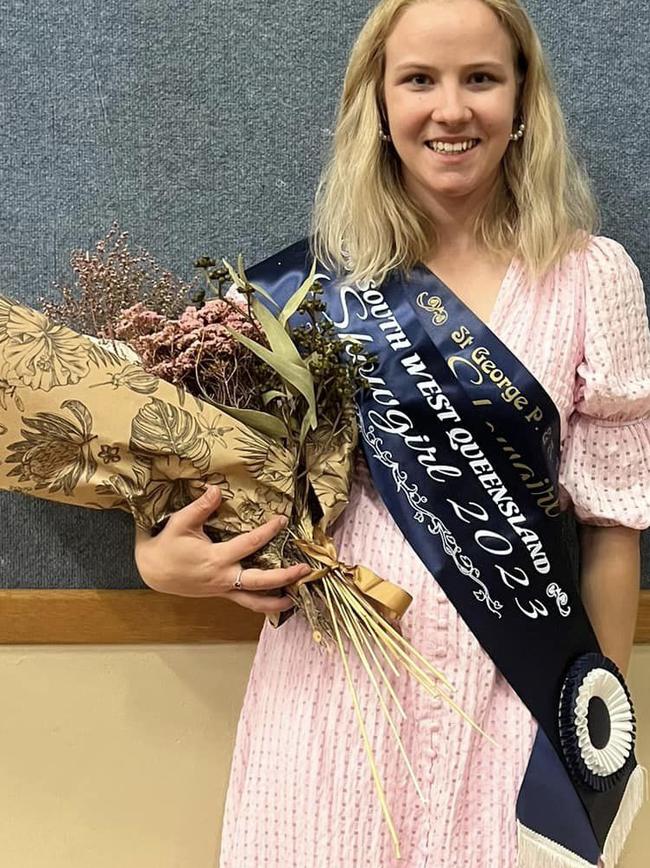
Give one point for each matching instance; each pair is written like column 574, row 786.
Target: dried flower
column 301, row 445
column 197, row 350
column 111, row 279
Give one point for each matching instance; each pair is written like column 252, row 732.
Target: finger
column 262, row 580
column 264, row 603
column 248, row 543
column 195, row 514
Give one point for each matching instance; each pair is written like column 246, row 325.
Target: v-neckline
column 499, row 298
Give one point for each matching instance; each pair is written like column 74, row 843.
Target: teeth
column 453, row 148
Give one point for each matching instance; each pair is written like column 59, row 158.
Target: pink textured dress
column 301, row 793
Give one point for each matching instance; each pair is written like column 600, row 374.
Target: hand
column 183, row 560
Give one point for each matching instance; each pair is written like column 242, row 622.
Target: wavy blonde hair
column 363, row 217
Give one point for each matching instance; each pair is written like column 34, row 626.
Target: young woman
column 450, row 165
column 450, row 158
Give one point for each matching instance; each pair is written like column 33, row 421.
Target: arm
column 182, row 559
column 610, row 578
column 82, row 425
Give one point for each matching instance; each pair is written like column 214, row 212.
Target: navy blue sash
column 463, row 446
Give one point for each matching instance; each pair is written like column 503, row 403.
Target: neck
column 455, row 222
column 455, row 218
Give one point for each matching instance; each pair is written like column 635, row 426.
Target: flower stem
column 364, row 735
column 354, row 632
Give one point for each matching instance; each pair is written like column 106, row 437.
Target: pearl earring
column 382, row 135
column 514, row 137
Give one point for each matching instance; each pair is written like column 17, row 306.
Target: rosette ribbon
column 385, row 597
column 597, row 722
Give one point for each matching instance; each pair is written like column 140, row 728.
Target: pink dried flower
column 128, row 297
column 196, row 350
column 112, row 278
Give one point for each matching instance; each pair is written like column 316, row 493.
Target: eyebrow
column 410, row 64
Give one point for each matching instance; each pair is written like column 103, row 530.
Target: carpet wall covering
column 201, row 128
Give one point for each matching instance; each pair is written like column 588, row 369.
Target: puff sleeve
column 605, row 464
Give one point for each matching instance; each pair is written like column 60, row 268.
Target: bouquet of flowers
column 159, row 398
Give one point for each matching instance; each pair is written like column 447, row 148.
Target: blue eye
column 418, row 75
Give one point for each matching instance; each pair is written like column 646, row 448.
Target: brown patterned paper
column 82, row 423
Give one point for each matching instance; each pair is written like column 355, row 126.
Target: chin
column 451, row 191
column 454, row 186
column 444, row 186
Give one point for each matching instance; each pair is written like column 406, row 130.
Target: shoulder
column 601, row 276
column 607, row 263
column 616, row 345
column 599, row 256
column 613, row 290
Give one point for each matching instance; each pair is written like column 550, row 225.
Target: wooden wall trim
column 79, row 617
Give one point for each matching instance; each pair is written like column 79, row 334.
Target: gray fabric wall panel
column 201, row 128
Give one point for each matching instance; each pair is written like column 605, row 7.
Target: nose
column 450, row 105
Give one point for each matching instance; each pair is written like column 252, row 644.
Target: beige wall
column 118, row 756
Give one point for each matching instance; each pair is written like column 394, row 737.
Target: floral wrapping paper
column 82, row 422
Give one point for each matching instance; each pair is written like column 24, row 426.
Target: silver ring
column 237, row 585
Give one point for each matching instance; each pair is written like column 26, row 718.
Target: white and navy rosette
column 597, row 722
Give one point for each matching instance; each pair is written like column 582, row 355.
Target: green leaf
column 263, row 292
column 233, row 274
column 240, row 266
column 294, row 374
column 276, row 334
column 265, row 423
column 297, row 298
column 236, row 279
column 269, row 396
column 282, row 345
column 304, row 428
column 240, row 282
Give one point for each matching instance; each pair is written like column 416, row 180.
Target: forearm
column 609, row 579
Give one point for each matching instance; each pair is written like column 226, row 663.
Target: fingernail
column 284, row 521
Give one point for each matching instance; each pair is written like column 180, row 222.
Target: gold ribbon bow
column 388, row 599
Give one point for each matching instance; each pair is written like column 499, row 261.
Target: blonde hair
column 364, row 219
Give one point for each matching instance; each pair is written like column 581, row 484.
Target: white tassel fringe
column 636, row 793
column 536, row 851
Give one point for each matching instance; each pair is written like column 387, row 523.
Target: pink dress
column 301, row 793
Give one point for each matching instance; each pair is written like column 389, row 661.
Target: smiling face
column 450, row 92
